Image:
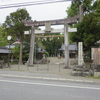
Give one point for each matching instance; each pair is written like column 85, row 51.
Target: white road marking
column 45, row 84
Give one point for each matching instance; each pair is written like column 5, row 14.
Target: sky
column 37, row 12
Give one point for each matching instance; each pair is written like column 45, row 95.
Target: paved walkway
column 52, row 71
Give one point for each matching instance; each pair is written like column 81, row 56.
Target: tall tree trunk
column 55, row 52
column 21, row 50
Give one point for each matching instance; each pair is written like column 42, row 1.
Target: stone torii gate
column 64, row 22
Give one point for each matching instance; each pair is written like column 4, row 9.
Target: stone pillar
column 66, row 46
column 31, row 55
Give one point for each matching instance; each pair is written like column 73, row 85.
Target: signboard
column 72, row 29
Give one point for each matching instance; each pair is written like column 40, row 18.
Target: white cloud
column 38, row 12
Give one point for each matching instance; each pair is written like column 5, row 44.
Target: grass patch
column 95, row 77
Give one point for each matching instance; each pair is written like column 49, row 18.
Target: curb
column 47, row 78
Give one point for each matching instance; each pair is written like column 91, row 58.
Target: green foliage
column 47, row 54
column 53, row 46
column 41, row 45
column 3, row 37
column 96, row 6
column 74, row 8
column 13, row 23
column 26, row 48
column 14, row 26
column 88, row 30
column 15, row 51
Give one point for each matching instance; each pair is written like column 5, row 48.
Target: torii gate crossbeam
column 70, row 20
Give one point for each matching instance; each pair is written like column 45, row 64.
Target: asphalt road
column 25, row 89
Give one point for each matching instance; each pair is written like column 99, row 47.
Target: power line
column 22, row 3
column 35, row 3
column 30, row 3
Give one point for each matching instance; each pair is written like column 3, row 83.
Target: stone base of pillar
column 20, row 63
column 30, row 65
column 66, row 67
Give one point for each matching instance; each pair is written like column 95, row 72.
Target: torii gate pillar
column 66, row 46
column 31, row 54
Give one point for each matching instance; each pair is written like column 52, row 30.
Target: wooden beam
column 41, row 36
column 53, row 31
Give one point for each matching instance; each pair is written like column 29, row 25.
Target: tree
column 3, row 37
column 88, row 30
column 14, row 26
column 53, row 46
column 26, row 46
column 74, row 8
column 96, row 6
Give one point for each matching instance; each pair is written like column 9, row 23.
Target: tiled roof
column 41, row 50
column 4, row 51
column 71, row 47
